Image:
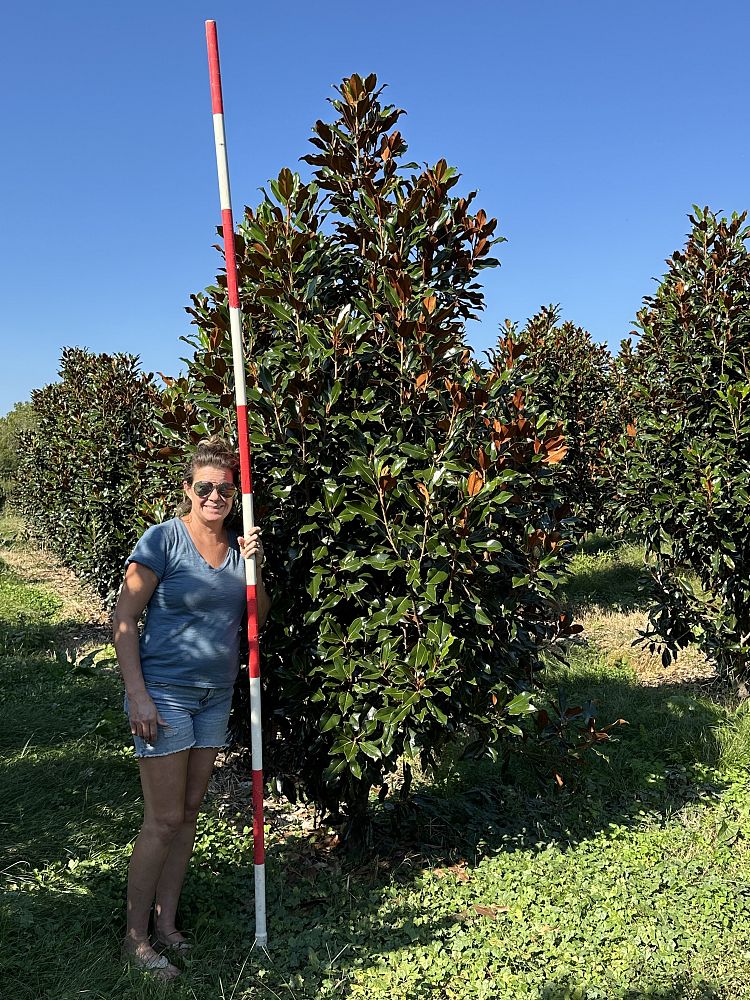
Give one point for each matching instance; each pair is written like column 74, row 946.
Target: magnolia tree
column 411, row 507
column 82, row 463
column 571, row 377
column 687, row 487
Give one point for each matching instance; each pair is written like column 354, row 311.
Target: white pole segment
column 261, row 937
column 235, row 327
column 256, row 741
column 225, row 196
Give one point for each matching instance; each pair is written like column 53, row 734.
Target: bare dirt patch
column 230, row 789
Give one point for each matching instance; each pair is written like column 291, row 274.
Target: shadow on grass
column 46, row 701
column 62, row 943
column 611, row 587
column 63, row 764
column 608, row 573
column 664, row 757
column 24, row 637
column 73, row 789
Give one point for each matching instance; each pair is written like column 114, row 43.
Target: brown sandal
column 159, row 967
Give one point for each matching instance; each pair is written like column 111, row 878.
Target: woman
column 179, row 675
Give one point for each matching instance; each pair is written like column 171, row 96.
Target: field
column 631, row 881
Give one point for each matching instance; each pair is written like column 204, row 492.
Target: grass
column 27, row 615
column 607, row 575
column 632, row 881
column 609, row 592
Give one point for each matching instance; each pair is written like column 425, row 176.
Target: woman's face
column 213, row 507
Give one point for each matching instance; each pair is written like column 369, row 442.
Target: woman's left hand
column 251, row 545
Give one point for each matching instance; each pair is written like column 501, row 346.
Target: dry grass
column 607, row 595
column 613, row 632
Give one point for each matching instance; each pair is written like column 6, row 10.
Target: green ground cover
column 632, row 881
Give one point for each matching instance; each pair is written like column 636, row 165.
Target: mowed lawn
column 632, row 881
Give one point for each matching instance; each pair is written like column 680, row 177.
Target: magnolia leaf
column 475, row 483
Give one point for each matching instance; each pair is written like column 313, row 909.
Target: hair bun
column 216, row 451
column 215, row 445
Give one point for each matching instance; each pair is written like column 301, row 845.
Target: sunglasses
column 205, row 489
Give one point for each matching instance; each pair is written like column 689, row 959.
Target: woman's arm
column 137, row 589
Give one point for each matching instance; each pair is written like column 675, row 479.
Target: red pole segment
column 235, row 322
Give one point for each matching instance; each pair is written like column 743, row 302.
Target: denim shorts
column 194, row 717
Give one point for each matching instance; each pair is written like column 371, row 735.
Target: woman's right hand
column 144, row 717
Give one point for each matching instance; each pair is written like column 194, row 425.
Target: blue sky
column 589, row 128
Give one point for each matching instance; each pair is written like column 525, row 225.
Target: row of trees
column 12, row 427
column 419, row 506
column 686, row 492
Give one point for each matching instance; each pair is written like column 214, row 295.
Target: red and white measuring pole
column 235, row 320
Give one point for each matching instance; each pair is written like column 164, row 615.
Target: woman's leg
column 164, row 780
column 200, row 764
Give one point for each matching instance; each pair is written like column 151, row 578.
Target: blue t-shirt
column 193, row 620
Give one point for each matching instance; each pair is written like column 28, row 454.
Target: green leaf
column 520, row 705
column 481, row 617
column 279, row 310
column 330, row 723
column 354, row 509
